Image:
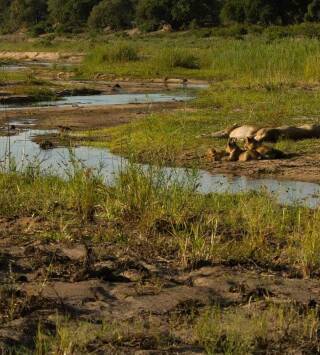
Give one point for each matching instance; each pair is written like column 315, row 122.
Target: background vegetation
column 149, row 15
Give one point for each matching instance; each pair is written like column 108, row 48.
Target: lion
column 266, row 152
column 269, row 134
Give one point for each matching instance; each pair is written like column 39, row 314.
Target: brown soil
column 95, row 283
column 84, row 117
column 298, row 168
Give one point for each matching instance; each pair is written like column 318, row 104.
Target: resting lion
column 269, row 134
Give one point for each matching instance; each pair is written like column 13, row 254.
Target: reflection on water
column 24, row 151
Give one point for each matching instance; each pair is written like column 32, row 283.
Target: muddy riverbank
column 299, row 167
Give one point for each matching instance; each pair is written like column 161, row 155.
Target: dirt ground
column 297, row 168
column 83, row 118
column 95, row 282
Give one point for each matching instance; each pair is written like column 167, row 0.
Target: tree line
column 42, row 16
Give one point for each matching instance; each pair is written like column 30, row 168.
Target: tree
column 262, row 12
column 313, row 12
column 70, row 15
column 234, row 11
column 24, row 13
column 152, row 13
column 4, row 10
column 292, row 11
column 117, row 14
column 202, row 12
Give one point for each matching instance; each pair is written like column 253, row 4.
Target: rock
column 74, row 253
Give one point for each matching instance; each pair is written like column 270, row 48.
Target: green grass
column 234, row 330
column 252, row 61
column 245, row 331
column 171, row 135
column 246, row 228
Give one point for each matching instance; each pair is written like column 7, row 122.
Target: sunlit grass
column 172, row 134
column 245, row 331
column 248, row 227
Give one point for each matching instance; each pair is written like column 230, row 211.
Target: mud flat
column 304, row 167
column 41, row 56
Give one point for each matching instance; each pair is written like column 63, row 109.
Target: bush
column 178, row 58
column 233, row 11
column 39, row 29
column 276, row 32
column 117, row 14
column 150, row 14
column 121, row 52
column 235, row 31
column 194, row 13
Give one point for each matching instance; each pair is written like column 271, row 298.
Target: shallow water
column 24, row 65
column 11, row 68
column 25, row 152
column 103, row 100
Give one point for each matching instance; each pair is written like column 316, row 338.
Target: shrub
column 276, row 32
column 233, row 11
column 120, row 52
column 150, row 14
column 178, row 58
column 195, row 13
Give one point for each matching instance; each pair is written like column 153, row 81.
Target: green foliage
column 117, row 14
column 178, row 58
column 20, row 13
column 264, row 11
column 313, row 13
column 117, row 53
column 234, row 11
column 70, row 15
column 151, row 13
column 193, row 12
column 74, row 15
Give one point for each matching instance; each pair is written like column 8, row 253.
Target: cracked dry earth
column 102, row 283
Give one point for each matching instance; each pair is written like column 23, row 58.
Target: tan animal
column 235, row 132
column 248, row 155
column 288, row 132
column 266, row 152
column 269, row 134
column 238, row 154
column 215, row 155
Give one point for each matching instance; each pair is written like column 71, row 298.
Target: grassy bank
column 231, row 331
column 175, row 136
column 247, row 61
column 171, row 218
column 147, row 214
column 246, row 55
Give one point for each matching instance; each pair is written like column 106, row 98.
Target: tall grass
column 252, row 60
column 258, row 61
column 245, row 331
column 102, row 57
column 170, row 58
column 164, row 208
